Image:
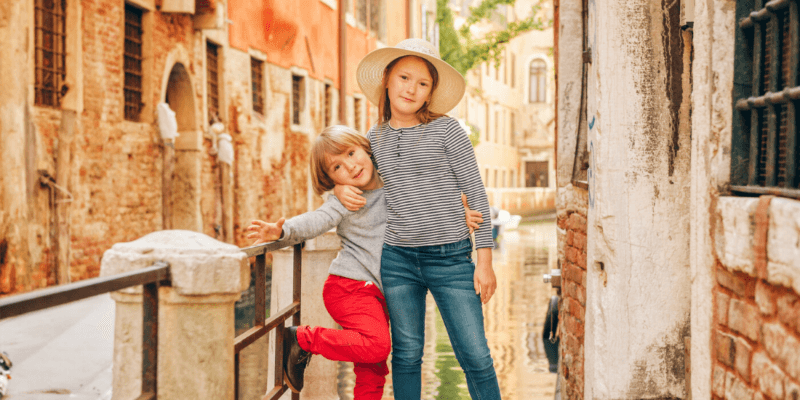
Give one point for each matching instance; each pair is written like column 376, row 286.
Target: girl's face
column 353, row 167
column 408, row 87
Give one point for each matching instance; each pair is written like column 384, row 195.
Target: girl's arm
column 264, row 232
column 349, row 196
column 484, row 279
column 461, row 156
column 302, row 227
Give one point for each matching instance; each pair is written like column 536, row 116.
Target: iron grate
column 767, row 134
column 50, row 47
column 133, row 63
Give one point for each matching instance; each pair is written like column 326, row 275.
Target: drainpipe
column 62, row 207
column 342, row 61
column 556, row 6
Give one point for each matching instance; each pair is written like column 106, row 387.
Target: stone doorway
column 186, row 178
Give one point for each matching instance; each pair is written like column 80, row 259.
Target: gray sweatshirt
column 361, row 233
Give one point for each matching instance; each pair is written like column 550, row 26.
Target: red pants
column 360, row 308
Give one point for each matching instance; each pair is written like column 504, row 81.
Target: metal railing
column 262, row 325
column 150, row 278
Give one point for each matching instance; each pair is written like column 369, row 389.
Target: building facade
column 86, row 161
column 510, row 106
column 678, row 199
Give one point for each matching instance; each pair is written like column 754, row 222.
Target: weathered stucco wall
column 712, row 78
column 638, row 291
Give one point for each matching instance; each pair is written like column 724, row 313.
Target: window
column 495, row 179
column 357, row 114
column 764, row 148
column 133, row 63
column 257, row 78
column 496, row 126
column 361, row 12
column 503, row 179
column 512, row 125
column 297, row 98
column 513, row 180
column 536, row 174
column 376, row 17
column 513, row 69
column 505, row 69
column 50, row 37
column 328, row 116
column 212, row 76
column 538, row 83
column 487, row 123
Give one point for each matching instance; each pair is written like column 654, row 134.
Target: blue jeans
column 447, row 271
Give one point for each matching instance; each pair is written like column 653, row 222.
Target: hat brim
column 446, row 96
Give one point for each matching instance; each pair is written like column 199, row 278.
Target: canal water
column 514, row 319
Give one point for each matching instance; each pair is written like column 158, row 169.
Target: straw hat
column 448, row 92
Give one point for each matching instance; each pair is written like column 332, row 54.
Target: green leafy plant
column 461, row 50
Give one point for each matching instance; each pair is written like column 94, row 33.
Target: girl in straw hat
column 427, row 161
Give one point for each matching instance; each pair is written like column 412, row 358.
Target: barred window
column 50, row 46
column 212, row 75
column 257, row 78
column 764, row 148
column 133, row 63
column 297, row 98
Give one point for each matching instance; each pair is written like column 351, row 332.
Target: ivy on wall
column 463, row 51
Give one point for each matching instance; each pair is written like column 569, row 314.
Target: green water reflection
column 452, row 382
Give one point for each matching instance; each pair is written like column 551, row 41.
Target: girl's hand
column 484, row 279
column 473, row 217
column 264, row 232
column 349, row 196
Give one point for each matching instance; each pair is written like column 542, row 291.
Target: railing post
column 195, row 319
column 315, row 260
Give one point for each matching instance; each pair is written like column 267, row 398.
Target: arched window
column 538, row 81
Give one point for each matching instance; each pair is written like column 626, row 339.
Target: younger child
column 353, row 293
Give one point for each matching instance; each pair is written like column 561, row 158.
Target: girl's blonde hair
column 333, row 140
column 423, row 114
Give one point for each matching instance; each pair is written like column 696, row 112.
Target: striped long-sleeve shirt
column 425, row 168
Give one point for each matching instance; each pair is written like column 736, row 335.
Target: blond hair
column 333, row 140
column 424, row 114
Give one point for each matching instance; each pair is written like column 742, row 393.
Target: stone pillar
column 320, row 377
column 196, row 315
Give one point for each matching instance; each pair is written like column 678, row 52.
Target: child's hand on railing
column 264, row 232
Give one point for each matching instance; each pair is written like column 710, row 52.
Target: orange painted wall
column 280, row 28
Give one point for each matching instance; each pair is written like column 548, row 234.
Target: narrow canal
column 514, row 320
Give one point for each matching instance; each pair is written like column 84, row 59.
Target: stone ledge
column 199, row 264
column 734, row 239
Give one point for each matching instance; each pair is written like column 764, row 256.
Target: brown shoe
column 295, row 360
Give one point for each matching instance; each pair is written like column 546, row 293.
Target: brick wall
column 573, row 304
column 755, row 338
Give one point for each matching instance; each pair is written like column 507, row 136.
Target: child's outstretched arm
column 349, row 196
column 264, row 232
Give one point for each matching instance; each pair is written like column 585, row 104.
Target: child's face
column 353, row 167
column 409, row 87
